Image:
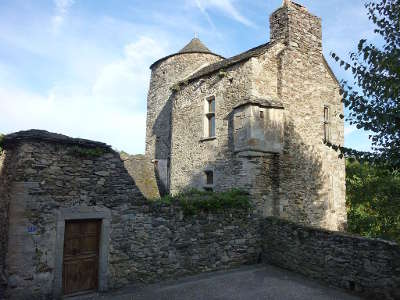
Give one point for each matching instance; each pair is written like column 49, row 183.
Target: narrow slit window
column 209, row 177
column 210, row 117
column 209, row 181
column 326, row 124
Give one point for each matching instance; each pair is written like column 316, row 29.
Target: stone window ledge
column 208, row 139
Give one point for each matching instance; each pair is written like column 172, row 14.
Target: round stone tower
column 165, row 73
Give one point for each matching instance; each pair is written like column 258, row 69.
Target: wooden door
column 81, row 256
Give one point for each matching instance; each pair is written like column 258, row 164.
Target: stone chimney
column 296, row 27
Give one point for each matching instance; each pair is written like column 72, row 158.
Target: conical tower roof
column 195, row 45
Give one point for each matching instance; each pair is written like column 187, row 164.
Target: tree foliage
column 373, row 200
column 374, row 97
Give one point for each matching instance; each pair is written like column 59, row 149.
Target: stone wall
column 45, row 174
column 159, row 104
column 312, row 177
column 5, row 178
column 192, row 153
column 141, row 169
column 306, row 181
column 155, row 243
column 368, row 266
column 147, row 242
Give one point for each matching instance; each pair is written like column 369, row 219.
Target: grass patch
column 194, row 201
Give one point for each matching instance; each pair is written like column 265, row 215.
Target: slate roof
column 43, row 135
column 194, row 46
column 230, row 61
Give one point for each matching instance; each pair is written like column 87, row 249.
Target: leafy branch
column 373, row 98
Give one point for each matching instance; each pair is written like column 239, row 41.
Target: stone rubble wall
column 142, row 171
column 367, row 266
column 147, row 242
column 164, row 75
column 312, row 178
column 150, row 242
column 5, row 179
column 192, row 154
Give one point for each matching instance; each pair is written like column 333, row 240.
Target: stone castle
column 75, row 215
column 256, row 121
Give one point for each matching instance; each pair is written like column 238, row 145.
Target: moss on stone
column 86, row 152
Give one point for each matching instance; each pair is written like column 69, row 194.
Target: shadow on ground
column 251, row 282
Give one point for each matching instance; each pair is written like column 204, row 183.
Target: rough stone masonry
column 273, row 107
column 256, row 121
column 48, row 179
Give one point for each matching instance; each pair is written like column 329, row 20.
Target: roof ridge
column 227, row 62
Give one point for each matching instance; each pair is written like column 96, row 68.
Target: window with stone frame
column 209, row 128
column 208, row 180
column 327, row 133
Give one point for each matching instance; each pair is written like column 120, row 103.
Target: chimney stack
column 294, row 26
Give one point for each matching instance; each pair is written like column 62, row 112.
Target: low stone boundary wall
column 367, row 266
column 48, row 178
column 149, row 245
column 51, row 178
column 3, row 228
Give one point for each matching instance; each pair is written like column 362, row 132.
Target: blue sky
column 80, row 67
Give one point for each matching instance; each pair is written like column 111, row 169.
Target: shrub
column 194, row 201
column 373, row 200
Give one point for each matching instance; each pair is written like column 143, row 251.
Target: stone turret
column 296, row 27
column 166, row 72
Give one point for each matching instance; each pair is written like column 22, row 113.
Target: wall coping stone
column 353, row 236
column 49, row 137
column 261, row 102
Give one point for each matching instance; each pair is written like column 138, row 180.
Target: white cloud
column 349, row 130
column 126, row 80
column 226, row 7
column 110, row 107
column 77, row 116
column 61, row 10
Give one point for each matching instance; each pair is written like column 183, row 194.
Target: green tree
column 373, row 200
column 373, row 99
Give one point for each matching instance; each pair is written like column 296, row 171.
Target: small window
column 210, row 117
column 326, row 124
column 261, row 114
column 209, row 181
column 209, row 177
